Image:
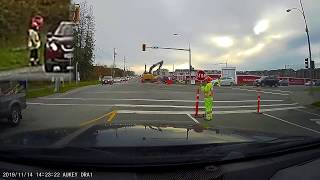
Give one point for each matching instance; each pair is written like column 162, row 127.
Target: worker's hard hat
column 208, row 79
column 37, row 22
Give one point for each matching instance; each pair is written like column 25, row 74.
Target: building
column 162, row 72
column 181, row 74
column 301, row 73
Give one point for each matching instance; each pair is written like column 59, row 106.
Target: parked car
column 284, row 82
column 309, row 83
column 59, row 48
column 107, row 80
column 117, row 80
column 227, row 81
column 267, row 81
column 12, row 102
column 215, row 82
column 317, row 83
column 123, row 79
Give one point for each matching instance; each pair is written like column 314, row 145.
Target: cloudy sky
column 248, row 34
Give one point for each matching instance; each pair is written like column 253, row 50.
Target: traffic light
column 312, row 64
column 144, row 47
column 306, row 62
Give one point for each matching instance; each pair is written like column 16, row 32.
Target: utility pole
column 124, row 66
column 114, row 61
column 190, row 66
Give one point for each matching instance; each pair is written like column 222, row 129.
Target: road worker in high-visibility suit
column 207, row 89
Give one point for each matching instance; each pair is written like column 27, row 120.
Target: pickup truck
column 11, row 106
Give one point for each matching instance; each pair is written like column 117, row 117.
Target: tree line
column 84, row 42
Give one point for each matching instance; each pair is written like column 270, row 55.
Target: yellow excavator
column 150, row 76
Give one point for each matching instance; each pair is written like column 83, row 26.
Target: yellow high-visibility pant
column 208, row 103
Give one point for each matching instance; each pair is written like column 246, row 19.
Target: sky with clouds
column 248, row 34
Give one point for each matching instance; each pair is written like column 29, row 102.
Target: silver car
column 227, row 81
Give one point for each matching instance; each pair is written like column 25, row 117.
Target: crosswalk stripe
column 158, row 106
column 163, row 100
column 261, row 91
column 201, row 112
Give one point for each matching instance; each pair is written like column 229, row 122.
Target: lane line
column 314, row 119
column 202, row 112
column 309, row 112
column 159, row 106
column 294, row 124
column 92, row 121
column 112, row 116
column 161, row 100
column 95, row 119
column 196, row 121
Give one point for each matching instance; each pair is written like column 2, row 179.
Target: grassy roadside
column 316, row 104
column 45, row 90
column 16, row 55
column 314, row 89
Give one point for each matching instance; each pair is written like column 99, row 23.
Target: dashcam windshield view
column 102, row 89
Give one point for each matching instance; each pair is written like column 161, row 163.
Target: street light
column 307, row 32
column 189, row 50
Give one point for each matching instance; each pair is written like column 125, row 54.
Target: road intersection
column 137, row 103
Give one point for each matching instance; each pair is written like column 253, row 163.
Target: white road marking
column 138, row 92
column 201, row 112
column 282, row 91
column 157, row 106
column 294, row 124
column 193, row 119
column 309, row 112
column 275, row 93
column 316, row 121
column 261, row 91
column 49, row 104
column 160, row 100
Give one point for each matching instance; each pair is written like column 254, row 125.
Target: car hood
column 131, row 145
column 67, row 41
column 131, row 135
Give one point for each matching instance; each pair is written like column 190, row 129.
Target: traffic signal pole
column 309, row 44
column 190, row 63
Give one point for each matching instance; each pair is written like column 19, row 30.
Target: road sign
column 201, row 75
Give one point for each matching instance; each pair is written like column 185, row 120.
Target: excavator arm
column 153, row 66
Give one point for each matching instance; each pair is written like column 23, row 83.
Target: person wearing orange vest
column 207, row 89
